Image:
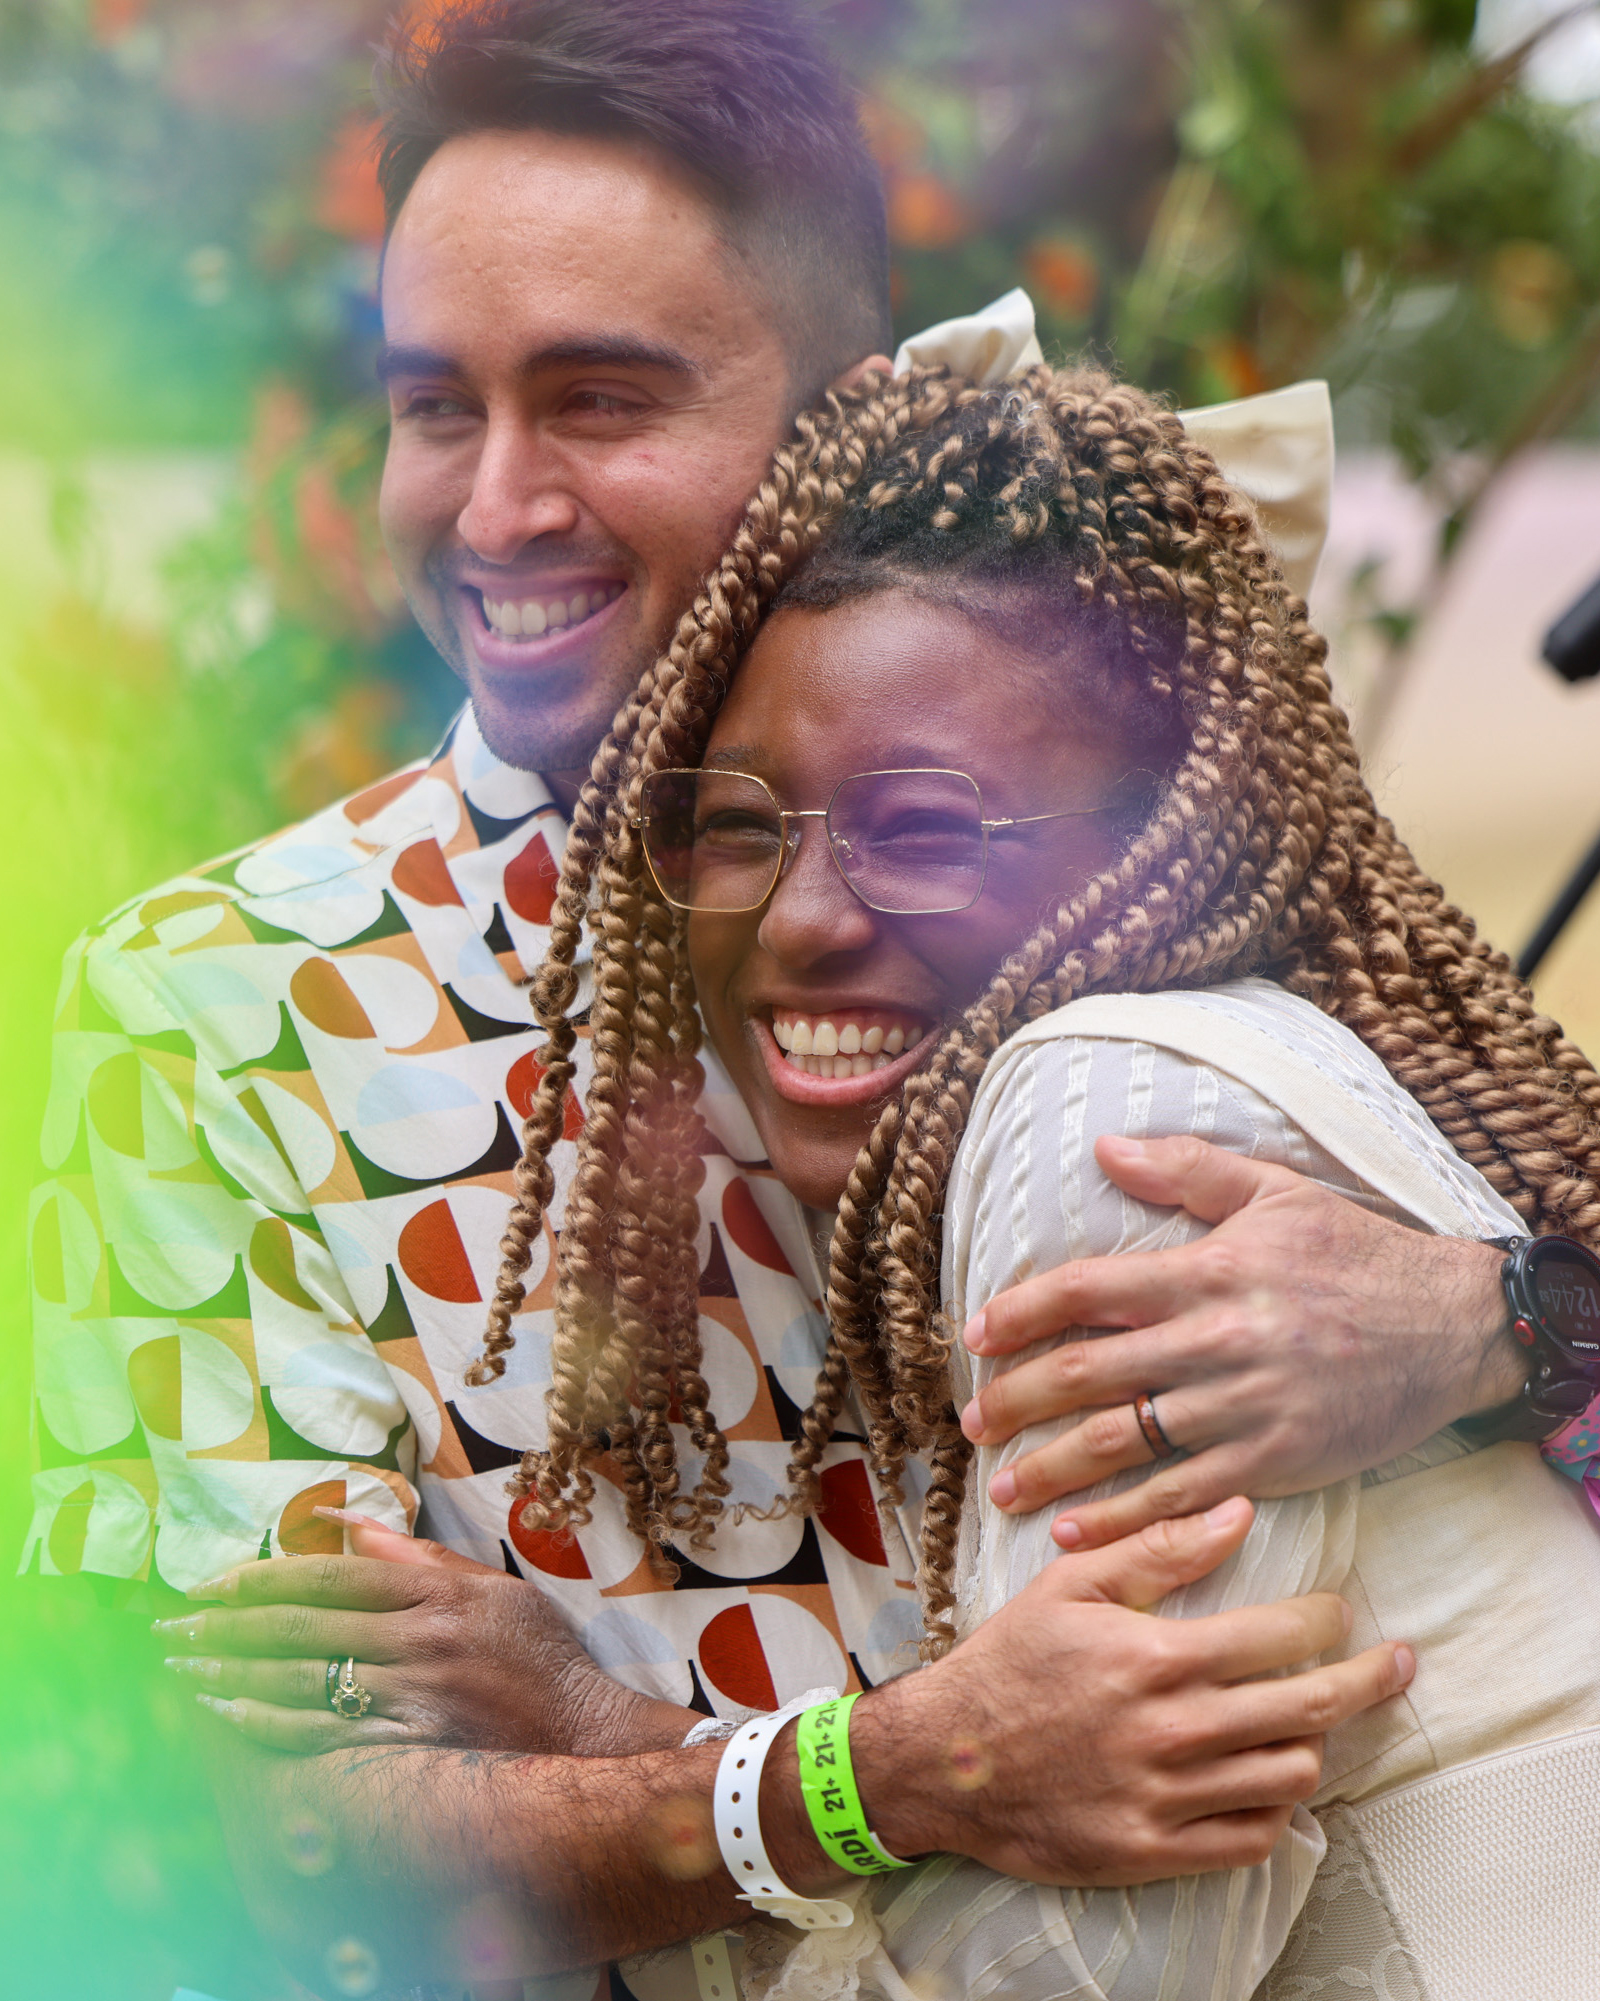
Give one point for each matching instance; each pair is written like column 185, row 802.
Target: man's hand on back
column 1075, row 1739
column 1302, row 1340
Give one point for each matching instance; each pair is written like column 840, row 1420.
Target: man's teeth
column 526, row 618
column 822, row 1047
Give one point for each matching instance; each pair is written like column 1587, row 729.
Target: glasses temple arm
column 1032, row 819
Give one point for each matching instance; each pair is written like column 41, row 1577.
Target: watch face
column 1567, row 1286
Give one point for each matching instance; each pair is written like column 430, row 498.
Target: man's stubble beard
column 539, row 734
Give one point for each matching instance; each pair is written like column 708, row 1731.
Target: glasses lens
column 910, row 840
column 713, row 838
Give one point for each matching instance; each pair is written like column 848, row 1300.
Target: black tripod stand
column 1572, row 647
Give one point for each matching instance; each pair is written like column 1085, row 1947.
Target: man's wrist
column 906, row 1795
column 1502, row 1370
column 897, row 1743
column 796, row 1853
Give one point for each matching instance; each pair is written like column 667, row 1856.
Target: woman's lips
column 899, row 1042
column 569, row 624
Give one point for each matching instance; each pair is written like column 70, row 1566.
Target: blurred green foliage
column 1217, row 195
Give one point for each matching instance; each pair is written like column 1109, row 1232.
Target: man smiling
column 628, row 244
column 551, row 507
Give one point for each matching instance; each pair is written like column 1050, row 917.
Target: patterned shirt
column 285, row 1108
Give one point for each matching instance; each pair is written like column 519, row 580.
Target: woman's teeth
column 824, row 1047
column 526, row 618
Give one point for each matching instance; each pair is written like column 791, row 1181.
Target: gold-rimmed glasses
column 909, row 843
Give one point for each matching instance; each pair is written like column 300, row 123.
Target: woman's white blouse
column 1488, row 1562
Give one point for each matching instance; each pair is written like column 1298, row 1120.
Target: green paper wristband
column 828, row 1785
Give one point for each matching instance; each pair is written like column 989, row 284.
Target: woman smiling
column 992, row 798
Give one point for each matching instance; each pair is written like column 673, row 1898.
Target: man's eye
column 425, row 406
column 596, row 403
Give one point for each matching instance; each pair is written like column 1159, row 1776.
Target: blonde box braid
column 1263, row 854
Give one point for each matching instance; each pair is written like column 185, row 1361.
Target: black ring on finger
column 1144, row 1409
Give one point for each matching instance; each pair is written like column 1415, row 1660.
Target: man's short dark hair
column 741, row 93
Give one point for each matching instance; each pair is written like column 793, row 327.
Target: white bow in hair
column 1277, row 448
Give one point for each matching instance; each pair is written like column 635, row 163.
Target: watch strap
column 1523, row 1419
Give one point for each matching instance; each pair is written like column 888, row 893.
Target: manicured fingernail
column 1066, row 1533
column 214, row 1587
column 973, row 1333
column 1003, row 1488
column 972, row 1422
column 195, row 1666
column 1347, row 1612
column 1130, row 1149
column 347, row 1515
column 1224, row 1514
column 179, row 1629
column 231, row 1712
column 1405, row 1663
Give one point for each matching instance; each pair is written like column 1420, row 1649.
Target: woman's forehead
column 893, row 680
column 887, row 654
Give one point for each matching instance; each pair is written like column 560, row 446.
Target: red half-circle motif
column 749, row 1229
column 554, row 1551
column 848, row 1512
column 522, row 1081
column 732, row 1659
column 530, row 882
column 434, row 1258
column 420, row 872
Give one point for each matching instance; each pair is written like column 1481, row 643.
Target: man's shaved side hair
column 740, row 93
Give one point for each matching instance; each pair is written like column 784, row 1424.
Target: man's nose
column 813, row 913
column 519, row 492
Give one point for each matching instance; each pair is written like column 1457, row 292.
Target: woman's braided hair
column 1262, row 854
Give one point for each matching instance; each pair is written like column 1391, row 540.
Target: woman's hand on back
column 1302, row 1340
column 452, row 1652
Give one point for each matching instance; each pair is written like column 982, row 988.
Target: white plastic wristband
column 736, row 1807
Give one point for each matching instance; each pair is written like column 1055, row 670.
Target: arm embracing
column 1027, row 1193
column 1258, row 1330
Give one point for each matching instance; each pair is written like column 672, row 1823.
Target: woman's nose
column 813, row 913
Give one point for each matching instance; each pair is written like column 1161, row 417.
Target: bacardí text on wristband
column 828, row 1785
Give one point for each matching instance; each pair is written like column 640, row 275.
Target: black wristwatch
column 1552, row 1288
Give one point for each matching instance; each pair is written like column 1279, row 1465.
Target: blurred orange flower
column 1237, row 368
column 1063, row 276
column 348, row 199
column 315, row 520
column 110, row 20
column 925, row 213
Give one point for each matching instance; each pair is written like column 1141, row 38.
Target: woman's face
column 884, row 682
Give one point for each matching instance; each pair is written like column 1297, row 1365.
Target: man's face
column 583, row 396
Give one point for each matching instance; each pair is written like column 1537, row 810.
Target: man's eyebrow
column 394, row 360
column 589, row 351
column 603, row 351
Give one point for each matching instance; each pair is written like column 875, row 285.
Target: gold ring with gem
column 346, row 1696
